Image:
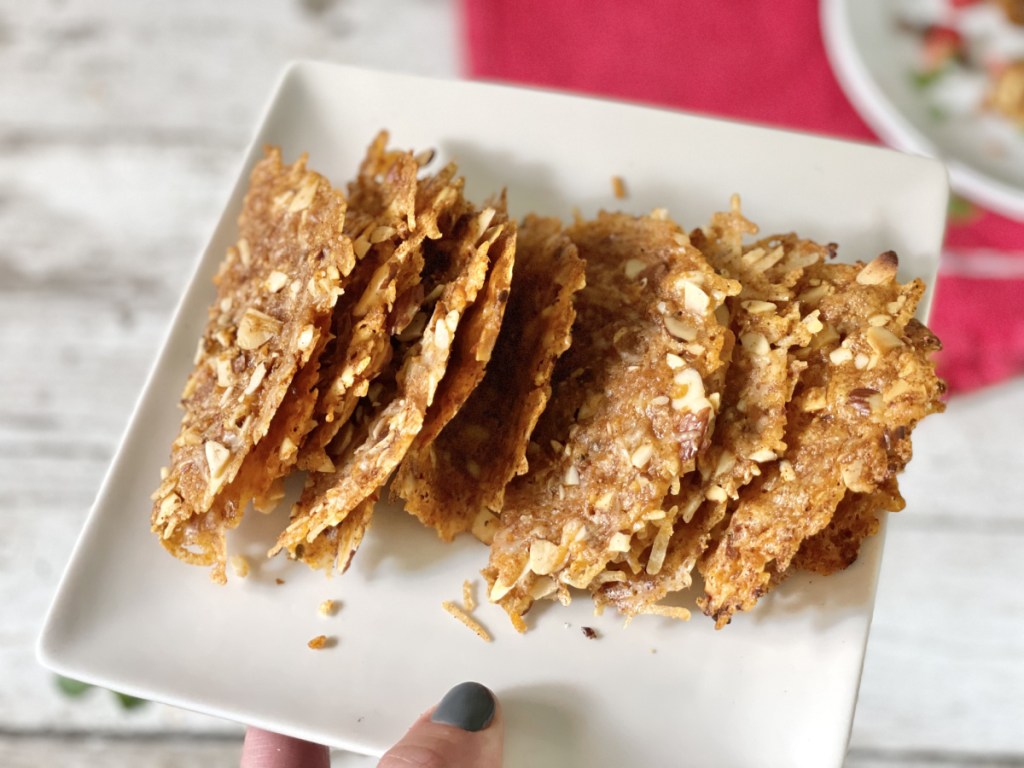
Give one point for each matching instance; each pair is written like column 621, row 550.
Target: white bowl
column 874, row 63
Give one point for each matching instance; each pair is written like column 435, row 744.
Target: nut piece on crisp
column 258, row 343
column 881, row 270
column 454, row 482
column 629, row 391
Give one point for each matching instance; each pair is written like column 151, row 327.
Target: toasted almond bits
column 256, row 379
column 572, row 476
column 641, row 456
column 716, row 493
column 244, row 253
column 499, row 590
column 883, row 340
column 545, row 557
column 619, row 542
column 256, row 329
column 813, row 323
column 442, row 336
column 380, row 234
column 694, row 298
column 216, row 458
column 327, row 608
column 755, row 343
column 288, row 449
column 899, row 388
column 276, row 280
column 633, row 267
column 757, row 307
column 484, row 525
column 763, row 455
column 679, row 329
column 881, row 270
column 225, row 376
column 840, row 355
column 306, row 337
column 466, row 620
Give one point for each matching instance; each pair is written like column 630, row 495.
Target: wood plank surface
column 121, row 128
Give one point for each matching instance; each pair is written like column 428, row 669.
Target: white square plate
column 777, row 687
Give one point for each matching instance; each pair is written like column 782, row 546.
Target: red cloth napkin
column 762, row 62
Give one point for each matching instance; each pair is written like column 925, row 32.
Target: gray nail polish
column 469, row 706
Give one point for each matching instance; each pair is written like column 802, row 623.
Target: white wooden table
column 121, row 127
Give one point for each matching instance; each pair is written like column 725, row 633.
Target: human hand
column 465, row 730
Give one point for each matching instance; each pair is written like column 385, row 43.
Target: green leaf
column 959, row 208
column 72, row 688
column 128, row 702
column 924, row 79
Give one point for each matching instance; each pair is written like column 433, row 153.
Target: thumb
column 465, row 730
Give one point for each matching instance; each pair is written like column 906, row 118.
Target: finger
column 465, row 730
column 263, row 749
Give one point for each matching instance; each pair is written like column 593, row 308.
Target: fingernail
column 469, row 706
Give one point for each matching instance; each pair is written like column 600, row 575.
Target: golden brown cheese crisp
column 276, row 290
column 476, row 337
column 766, row 320
column 856, row 518
column 453, row 483
column 456, row 268
column 869, row 380
column 629, row 412
column 334, row 548
column 390, row 214
column 472, row 347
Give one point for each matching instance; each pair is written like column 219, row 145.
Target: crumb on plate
column 466, row 619
column 320, row 641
